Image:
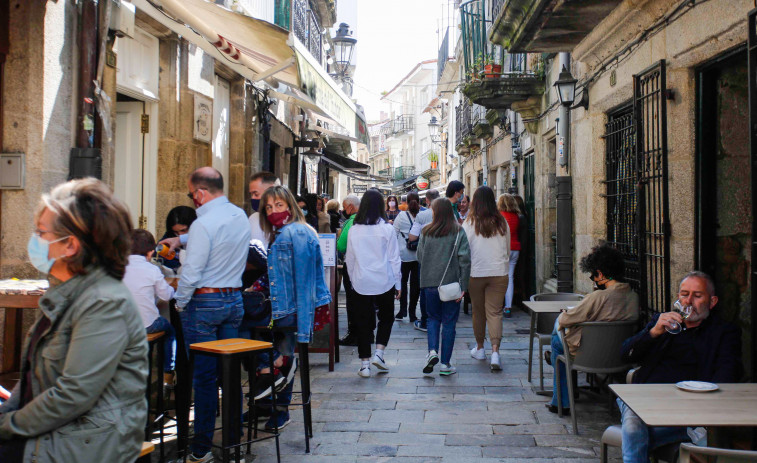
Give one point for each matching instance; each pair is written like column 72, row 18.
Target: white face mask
column 392, row 203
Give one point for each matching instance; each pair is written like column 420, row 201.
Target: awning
column 259, row 50
column 346, row 163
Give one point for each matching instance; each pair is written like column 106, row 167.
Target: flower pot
column 492, row 71
column 433, row 164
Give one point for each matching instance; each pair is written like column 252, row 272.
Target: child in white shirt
column 147, row 284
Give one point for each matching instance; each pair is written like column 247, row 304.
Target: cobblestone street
column 406, row 416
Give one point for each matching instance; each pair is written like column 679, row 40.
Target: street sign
column 359, row 188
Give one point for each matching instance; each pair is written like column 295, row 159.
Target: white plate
column 696, row 386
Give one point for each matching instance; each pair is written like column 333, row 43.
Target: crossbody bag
column 450, row 291
column 411, row 245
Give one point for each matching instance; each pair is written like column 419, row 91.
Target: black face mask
column 345, row 214
column 598, row 286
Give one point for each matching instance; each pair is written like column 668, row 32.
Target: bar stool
column 304, row 365
column 231, row 353
column 144, row 453
column 154, row 339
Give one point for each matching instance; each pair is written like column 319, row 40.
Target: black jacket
column 719, row 351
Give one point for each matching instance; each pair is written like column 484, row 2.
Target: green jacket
column 433, row 255
column 341, row 244
column 89, row 375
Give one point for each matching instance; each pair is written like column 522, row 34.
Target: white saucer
column 696, row 386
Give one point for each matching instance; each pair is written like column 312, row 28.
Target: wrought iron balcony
column 443, row 56
column 307, row 28
column 403, row 124
column 547, row 26
column 494, row 78
column 482, row 128
column 463, row 126
column 429, row 163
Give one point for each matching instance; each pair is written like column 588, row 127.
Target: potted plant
column 433, row 159
column 491, row 69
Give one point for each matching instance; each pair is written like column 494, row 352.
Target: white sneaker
column 431, row 359
column 365, row 372
column 379, row 363
column 207, row 458
column 494, row 365
column 478, row 354
column 447, row 370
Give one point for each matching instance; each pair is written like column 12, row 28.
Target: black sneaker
column 419, row 326
column 348, row 340
column 287, row 370
column 262, row 386
column 282, row 418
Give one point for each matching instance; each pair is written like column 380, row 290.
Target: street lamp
column 433, row 129
column 312, row 157
column 566, row 87
column 344, row 47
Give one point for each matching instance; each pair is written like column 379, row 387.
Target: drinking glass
column 684, row 311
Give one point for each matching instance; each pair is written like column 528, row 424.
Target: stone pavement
column 406, row 416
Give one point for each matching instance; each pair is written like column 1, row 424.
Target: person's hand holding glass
column 684, row 311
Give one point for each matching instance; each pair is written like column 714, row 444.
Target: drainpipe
column 85, row 159
column 564, row 198
column 484, row 162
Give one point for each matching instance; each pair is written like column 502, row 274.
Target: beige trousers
column 487, row 294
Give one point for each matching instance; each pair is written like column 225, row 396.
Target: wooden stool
column 232, row 352
column 154, row 339
column 147, row 449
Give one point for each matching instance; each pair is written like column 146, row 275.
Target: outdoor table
column 15, row 296
column 536, row 308
column 666, row 405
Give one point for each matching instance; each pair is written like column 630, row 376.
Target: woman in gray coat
column 81, row 396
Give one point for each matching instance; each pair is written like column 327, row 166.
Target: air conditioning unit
column 122, row 18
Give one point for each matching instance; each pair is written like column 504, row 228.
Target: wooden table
column 15, row 296
column 666, row 405
column 536, row 308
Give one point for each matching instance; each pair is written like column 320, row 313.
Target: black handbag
column 411, row 245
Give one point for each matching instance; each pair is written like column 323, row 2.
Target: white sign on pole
column 328, row 248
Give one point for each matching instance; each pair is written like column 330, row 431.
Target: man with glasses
column 208, row 294
column 707, row 349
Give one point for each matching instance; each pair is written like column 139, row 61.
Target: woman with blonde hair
column 509, row 209
column 489, row 240
column 332, row 209
column 296, row 283
column 84, row 371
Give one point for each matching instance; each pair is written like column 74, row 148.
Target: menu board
column 328, row 248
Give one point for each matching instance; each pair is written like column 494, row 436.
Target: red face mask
column 278, row 219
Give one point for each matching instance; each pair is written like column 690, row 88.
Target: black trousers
column 350, row 301
column 410, row 271
column 365, row 320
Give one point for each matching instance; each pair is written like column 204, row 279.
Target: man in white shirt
column 259, row 182
column 147, row 284
column 421, row 220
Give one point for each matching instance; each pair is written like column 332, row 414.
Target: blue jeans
column 639, row 439
column 559, row 372
column 169, row 354
column 209, row 317
column 441, row 315
column 424, row 313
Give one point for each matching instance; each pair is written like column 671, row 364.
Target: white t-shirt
column 257, row 232
column 490, row 257
column 402, row 227
column 147, row 285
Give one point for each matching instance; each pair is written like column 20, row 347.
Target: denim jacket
column 295, row 272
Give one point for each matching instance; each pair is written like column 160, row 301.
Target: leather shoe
column 553, row 409
column 348, row 340
column 548, row 357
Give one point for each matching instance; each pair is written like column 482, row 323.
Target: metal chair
column 544, row 325
column 599, row 353
column 722, row 455
column 613, row 437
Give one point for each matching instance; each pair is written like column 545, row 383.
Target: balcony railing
column 307, row 28
column 429, row 162
column 403, row 124
column 463, row 126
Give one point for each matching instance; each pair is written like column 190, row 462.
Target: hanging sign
column 421, row 183
column 328, row 248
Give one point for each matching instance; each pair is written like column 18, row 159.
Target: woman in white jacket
column 403, row 223
column 373, row 263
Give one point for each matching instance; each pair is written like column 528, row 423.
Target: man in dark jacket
column 708, row 349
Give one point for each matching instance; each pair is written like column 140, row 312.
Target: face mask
column 392, row 204
column 305, row 212
column 197, row 203
column 255, row 204
column 278, row 219
column 38, row 249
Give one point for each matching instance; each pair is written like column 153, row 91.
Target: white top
column 373, row 258
column 490, row 257
column 255, row 230
column 147, row 284
column 402, row 227
column 421, row 220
